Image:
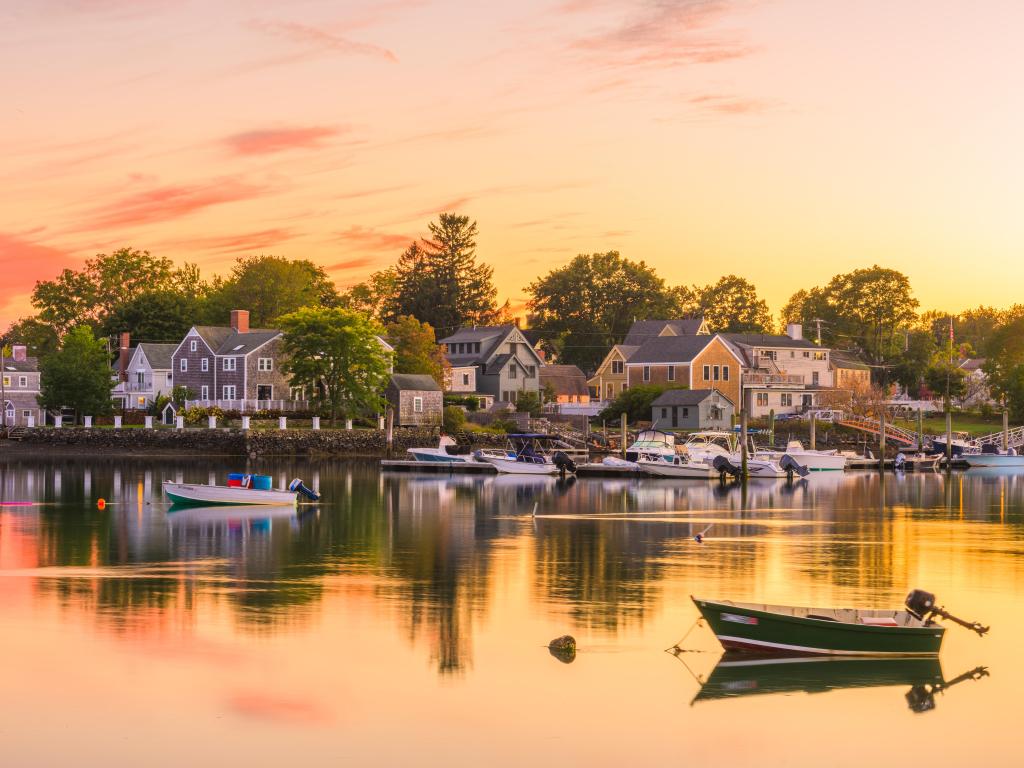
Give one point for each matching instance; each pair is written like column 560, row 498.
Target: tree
column 588, row 305
column 1004, row 365
column 915, row 360
column 416, row 350
column 375, row 297
column 732, row 306
column 77, row 375
column 270, row 287
column 635, row 402
column 529, row 402
column 438, row 280
column 946, row 378
column 156, row 316
column 335, row 354
column 104, row 283
column 40, row 338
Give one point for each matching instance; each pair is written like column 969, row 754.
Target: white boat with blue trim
column 195, row 494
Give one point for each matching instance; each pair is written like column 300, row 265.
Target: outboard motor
column 899, row 462
column 726, row 467
column 921, row 604
column 296, row 486
column 563, row 462
column 792, row 467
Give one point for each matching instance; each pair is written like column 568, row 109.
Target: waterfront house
column 782, row 372
column 144, row 371
column 21, row 389
column 565, row 383
column 235, row 367
column 503, row 361
column 697, row 362
column 848, row 372
column 643, row 331
column 416, row 399
column 976, row 380
column 692, row 409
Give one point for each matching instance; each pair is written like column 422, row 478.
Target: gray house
column 417, row 400
column 504, row 360
column 21, row 388
column 692, row 409
column 143, row 373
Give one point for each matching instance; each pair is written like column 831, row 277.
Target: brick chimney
column 19, row 352
column 124, row 352
column 240, row 320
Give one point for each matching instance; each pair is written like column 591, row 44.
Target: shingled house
column 692, row 409
column 144, row 371
column 416, row 399
column 21, row 388
column 499, row 360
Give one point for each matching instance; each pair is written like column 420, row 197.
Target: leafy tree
column 104, row 283
column 528, row 402
column 732, row 306
column 270, row 287
column 438, row 280
column 1004, row 365
column 590, row 304
column 915, row 360
column 374, row 297
column 416, row 350
column 944, row 377
column 635, row 402
column 335, row 354
column 156, row 316
column 77, row 375
column 40, row 338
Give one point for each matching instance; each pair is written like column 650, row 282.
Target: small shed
column 416, row 399
column 567, row 382
column 692, row 409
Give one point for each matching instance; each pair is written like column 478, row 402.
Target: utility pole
column 817, row 322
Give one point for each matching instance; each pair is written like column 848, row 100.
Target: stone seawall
column 229, row 442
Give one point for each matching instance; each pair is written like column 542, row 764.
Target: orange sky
column 783, row 141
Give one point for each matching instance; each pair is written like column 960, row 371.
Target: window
column 265, row 364
column 814, row 378
column 229, row 363
column 808, row 400
column 228, row 392
column 807, row 354
column 531, row 371
column 296, row 393
column 465, row 379
column 7, row 381
column 183, row 364
column 611, row 391
column 625, row 386
column 169, row 378
column 23, row 381
column 664, row 413
column 821, row 355
column 792, row 353
column 786, row 399
column 140, row 402
column 725, row 373
column 193, row 345
column 686, row 413
column 204, row 364
column 25, row 415
column 264, row 392
column 647, row 373
column 140, row 378
column 617, row 366
column 762, row 398
column 717, row 372
column 512, row 372
column 417, row 405
column 671, row 373
column 204, row 392
column 707, row 373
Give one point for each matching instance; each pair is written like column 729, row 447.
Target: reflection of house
column 692, row 409
column 417, row 400
column 235, row 368
column 566, row 383
column 21, row 388
column 976, row 381
column 503, row 361
column 609, row 380
column 145, row 372
column 848, row 372
column 697, row 362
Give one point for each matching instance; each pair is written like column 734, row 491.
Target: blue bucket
column 263, row 482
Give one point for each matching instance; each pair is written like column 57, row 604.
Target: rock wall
column 231, row 442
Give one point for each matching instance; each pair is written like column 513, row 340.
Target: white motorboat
column 445, row 453
column 707, row 444
column 993, row 460
column 650, row 445
column 529, row 454
column 189, row 494
column 679, row 466
column 815, row 461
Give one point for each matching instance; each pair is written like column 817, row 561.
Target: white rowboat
column 203, row 495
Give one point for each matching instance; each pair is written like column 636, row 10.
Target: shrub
column 528, row 402
column 454, row 419
column 504, row 425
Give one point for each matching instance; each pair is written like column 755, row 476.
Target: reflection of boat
column 784, row 629
column 734, row 677
column 223, row 513
column 530, row 454
column 815, row 461
column 447, row 451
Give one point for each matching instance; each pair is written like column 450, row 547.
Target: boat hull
column 438, row 456
column 743, row 629
column 694, row 470
column 515, row 467
column 992, row 460
column 187, row 494
column 813, row 460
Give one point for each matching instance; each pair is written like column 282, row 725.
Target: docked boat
column 679, row 466
column 252, row 489
column 917, row 462
column 815, row 461
column 446, row 452
column 993, row 460
column 651, row 445
column 530, row 454
column 783, row 629
column 707, row 444
column 723, row 451
column 961, row 445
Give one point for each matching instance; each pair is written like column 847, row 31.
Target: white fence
column 248, row 406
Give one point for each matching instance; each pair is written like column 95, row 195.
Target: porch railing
column 247, row 406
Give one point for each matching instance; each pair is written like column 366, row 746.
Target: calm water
column 404, row 620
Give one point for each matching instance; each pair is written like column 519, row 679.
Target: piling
column 949, row 438
column 622, row 435
column 743, row 443
column 920, row 429
column 1006, row 430
column 881, row 440
column 389, row 431
column 814, row 432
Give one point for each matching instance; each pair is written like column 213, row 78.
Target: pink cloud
column 266, row 142
column 372, row 240
column 730, row 105
column 320, row 40
column 343, row 266
column 169, row 202
column 248, row 241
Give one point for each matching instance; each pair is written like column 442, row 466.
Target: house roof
column 158, row 355
column 669, row 349
column 565, row 379
column 973, row 363
column 644, row 330
column 498, row 363
column 768, row 340
column 843, row 359
column 28, row 365
column 228, row 341
column 488, row 336
column 414, row 381
column 687, row 397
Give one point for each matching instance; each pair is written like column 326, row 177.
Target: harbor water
column 404, row 619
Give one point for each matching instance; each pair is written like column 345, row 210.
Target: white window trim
column 671, row 373
column 183, row 365
column 193, row 345
column 23, row 381
column 265, row 364
column 228, row 392
column 417, row 405
column 647, row 373
column 230, row 365
column 204, row 364
column 204, row 392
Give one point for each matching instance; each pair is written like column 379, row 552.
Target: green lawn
column 971, row 423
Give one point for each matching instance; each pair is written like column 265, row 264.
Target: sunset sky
column 782, row 140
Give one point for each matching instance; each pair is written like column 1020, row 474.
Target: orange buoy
column 101, row 504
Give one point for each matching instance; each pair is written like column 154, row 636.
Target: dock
column 583, row 470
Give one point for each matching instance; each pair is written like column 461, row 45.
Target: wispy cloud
column 247, row 241
column 318, row 40
column 668, row 32
column 272, row 140
column 365, row 239
column 730, row 105
column 349, row 264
